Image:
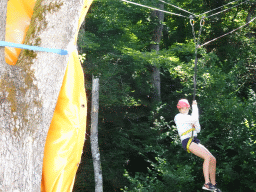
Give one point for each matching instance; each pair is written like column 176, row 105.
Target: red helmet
column 183, row 103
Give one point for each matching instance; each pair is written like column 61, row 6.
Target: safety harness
column 191, row 138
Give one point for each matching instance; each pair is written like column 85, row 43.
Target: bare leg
column 209, row 165
column 212, row 167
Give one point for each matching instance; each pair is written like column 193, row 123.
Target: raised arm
column 195, row 116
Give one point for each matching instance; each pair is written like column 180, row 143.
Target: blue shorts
column 185, row 142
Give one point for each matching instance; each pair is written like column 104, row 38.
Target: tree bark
column 250, row 13
column 250, row 35
column 249, row 17
column 29, row 92
column 157, row 35
column 3, row 12
column 94, row 136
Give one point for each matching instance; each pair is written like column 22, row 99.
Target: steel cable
column 217, row 8
column 177, row 7
column 227, row 33
column 153, row 8
column 226, row 9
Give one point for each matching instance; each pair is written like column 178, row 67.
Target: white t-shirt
column 185, row 122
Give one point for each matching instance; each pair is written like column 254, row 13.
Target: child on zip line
column 188, row 126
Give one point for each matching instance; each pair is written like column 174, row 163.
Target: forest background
column 138, row 141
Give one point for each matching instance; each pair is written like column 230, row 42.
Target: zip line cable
column 206, row 11
column 218, row 8
column 178, row 7
column 145, row 6
column 227, row 33
column 192, row 22
column 198, row 46
column 226, row 9
column 153, row 8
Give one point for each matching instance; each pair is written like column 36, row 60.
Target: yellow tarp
column 65, row 139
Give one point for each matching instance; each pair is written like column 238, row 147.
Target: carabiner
column 202, row 22
column 192, row 21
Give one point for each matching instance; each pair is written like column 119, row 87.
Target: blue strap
column 34, row 48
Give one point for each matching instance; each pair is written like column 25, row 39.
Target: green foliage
column 115, row 41
column 166, row 172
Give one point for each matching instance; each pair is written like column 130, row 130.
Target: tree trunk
column 159, row 17
column 29, row 92
column 250, row 35
column 249, row 17
column 94, row 136
column 250, row 13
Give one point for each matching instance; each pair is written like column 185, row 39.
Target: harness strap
column 189, row 142
column 191, row 138
column 197, row 45
column 188, row 131
column 33, row 48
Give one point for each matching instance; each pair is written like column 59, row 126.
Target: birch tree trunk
column 29, row 92
column 159, row 17
column 94, row 136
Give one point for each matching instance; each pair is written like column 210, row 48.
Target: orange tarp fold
column 65, row 139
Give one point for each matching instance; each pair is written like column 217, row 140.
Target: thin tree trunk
column 250, row 13
column 29, row 92
column 159, row 16
column 94, row 136
column 248, row 18
column 250, row 35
